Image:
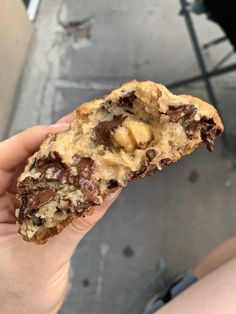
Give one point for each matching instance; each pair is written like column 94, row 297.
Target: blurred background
column 56, row 54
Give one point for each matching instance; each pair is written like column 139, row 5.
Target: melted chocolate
column 191, row 128
column 84, row 180
column 176, row 113
column 30, row 202
column 101, row 134
column 127, row 99
column 209, row 131
column 51, row 168
column 84, row 166
column 27, row 185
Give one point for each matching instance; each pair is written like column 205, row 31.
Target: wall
column 15, row 34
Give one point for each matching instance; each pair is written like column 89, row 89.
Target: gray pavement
column 179, row 214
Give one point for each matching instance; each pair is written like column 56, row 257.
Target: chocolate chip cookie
column 134, row 132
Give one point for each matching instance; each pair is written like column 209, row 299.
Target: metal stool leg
column 200, row 60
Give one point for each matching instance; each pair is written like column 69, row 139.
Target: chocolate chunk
column 209, row 131
column 21, row 214
column 27, row 185
column 54, row 156
column 101, row 134
column 191, row 128
column 84, row 166
column 32, row 200
column 43, row 197
column 138, row 173
column 176, row 113
column 51, row 167
column 150, row 154
column 84, row 180
column 112, row 184
column 127, row 99
column 38, row 221
column 90, row 190
column 165, row 162
column 37, row 199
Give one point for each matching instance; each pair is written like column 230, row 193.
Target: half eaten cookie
column 135, row 131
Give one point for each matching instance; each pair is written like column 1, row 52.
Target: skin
column 34, row 278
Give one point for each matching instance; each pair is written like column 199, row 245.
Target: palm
column 8, row 201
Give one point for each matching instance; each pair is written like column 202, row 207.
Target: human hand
column 34, row 278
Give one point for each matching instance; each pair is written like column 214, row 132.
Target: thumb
column 79, row 227
column 20, row 146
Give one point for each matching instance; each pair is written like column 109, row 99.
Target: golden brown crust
column 43, row 236
column 46, row 233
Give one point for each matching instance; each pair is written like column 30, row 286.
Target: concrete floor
column 176, row 216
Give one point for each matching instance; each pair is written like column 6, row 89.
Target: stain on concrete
column 81, row 29
column 128, row 251
column 193, row 176
column 76, row 32
column 85, row 282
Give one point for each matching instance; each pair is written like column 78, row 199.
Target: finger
column 12, row 188
column 7, row 231
column 15, row 150
column 8, row 180
column 68, row 118
column 78, row 228
column 6, row 217
column 7, row 209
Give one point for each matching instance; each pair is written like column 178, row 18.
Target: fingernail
column 60, row 126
